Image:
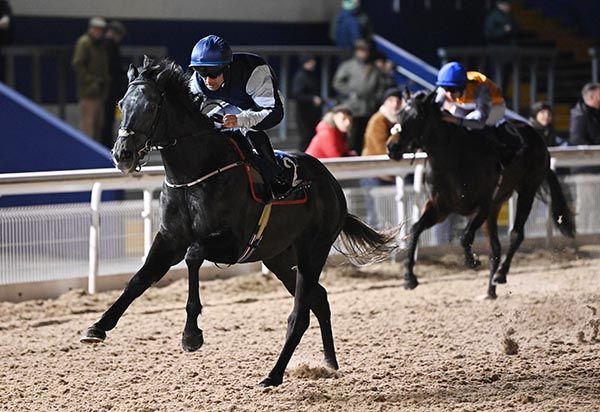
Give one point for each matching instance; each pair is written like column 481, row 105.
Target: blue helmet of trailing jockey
column 452, row 74
column 211, row 51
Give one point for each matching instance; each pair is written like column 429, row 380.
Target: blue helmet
column 452, row 74
column 211, row 51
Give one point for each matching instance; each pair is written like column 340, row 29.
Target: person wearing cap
column 249, row 87
column 358, row 83
column 379, row 125
column 541, row 118
column 471, row 99
column 350, row 24
column 332, row 132
column 115, row 31
column 307, row 94
column 90, row 62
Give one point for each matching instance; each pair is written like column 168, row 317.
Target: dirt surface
column 437, row 348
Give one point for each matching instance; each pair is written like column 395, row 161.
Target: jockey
column 247, row 85
column 471, row 99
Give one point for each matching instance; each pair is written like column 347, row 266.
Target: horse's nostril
column 124, row 155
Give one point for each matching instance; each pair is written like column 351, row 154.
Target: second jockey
column 471, row 99
column 246, row 82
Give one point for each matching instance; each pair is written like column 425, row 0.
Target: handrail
column 594, row 53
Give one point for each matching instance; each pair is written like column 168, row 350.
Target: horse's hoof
column 499, row 278
column 192, row 341
column 411, row 283
column 491, row 296
column 93, row 334
column 473, row 263
column 331, row 364
column 270, row 381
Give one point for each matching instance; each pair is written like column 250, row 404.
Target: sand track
column 439, row 347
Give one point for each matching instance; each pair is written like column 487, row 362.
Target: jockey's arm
column 269, row 107
column 483, row 105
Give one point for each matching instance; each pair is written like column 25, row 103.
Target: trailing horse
column 466, row 178
column 210, row 211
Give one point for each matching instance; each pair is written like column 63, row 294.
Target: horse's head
column 412, row 123
column 144, row 118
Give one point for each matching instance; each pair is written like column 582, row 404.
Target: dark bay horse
column 466, row 179
column 213, row 218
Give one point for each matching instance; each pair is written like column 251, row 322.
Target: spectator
column 499, row 28
column 330, row 140
column 387, row 69
column 585, row 122
column 542, row 120
column 6, row 30
column 115, row 31
column 379, row 125
column 358, row 82
column 376, row 136
column 350, row 24
column 306, row 92
column 90, row 61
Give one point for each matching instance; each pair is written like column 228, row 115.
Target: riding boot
column 268, row 164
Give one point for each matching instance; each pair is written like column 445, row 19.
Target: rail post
column 148, row 226
column 550, row 218
column 94, row 252
column 400, row 210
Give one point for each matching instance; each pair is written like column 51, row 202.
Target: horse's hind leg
column 285, row 271
column 495, row 247
column 429, row 218
column 192, row 338
column 162, row 255
column 524, row 204
column 310, row 263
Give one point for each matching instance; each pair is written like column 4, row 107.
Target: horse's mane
column 174, row 81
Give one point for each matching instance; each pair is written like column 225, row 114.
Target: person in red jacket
column 331, row 137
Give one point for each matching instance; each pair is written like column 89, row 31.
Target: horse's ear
column 430, row 99
column 132, row 73
column 148, row 61
column 406, row 94
column 163, row 76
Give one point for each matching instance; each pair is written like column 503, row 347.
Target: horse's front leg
column 192, row 338
column 429, row 218
column 163, row 254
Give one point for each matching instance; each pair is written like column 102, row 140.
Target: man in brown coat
column 379, row 125
column 90, row 61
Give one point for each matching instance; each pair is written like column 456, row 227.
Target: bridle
column 149, row 134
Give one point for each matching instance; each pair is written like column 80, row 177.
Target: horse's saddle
column 507, row 140
column 292, row 174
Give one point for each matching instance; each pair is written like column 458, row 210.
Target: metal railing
column 535, row 60
column 150, row 180
column 44, row 59
column 594, row 52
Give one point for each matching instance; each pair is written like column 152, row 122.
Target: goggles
column 212, row 72
column 453, row 90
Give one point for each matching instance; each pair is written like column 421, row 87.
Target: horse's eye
column 152, row 106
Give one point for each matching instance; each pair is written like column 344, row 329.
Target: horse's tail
column 561, row 214
column 363, row 245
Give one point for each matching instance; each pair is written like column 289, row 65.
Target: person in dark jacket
column 541, row 118
column 584, row 126
column 115, row 31
column 306, row 92
column 350, row 24
column 499, row 27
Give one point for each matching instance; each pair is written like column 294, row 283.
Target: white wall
column 280, row 11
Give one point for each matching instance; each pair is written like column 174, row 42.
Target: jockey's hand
column 230, row 121
column 447, row 117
